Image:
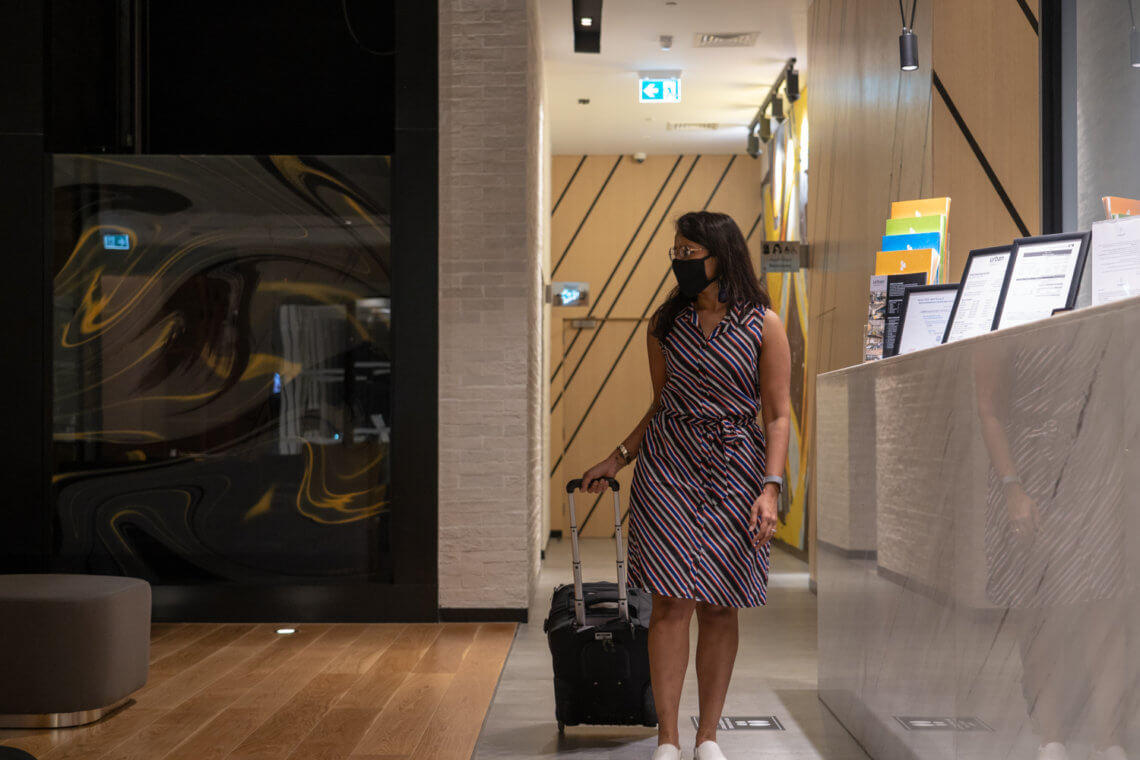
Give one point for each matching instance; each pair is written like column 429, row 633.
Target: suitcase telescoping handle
column 579, row 599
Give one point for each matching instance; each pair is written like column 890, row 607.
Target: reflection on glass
column 1054, row 535
column 221, row 367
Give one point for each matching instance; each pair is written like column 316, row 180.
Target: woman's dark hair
column 724, row 241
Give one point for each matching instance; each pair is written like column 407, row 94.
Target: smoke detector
column 725, row 40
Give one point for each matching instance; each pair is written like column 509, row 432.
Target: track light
column 778, row 109
column 765, row 130
column 908, row 42
column 792, row 88
column 754, row 145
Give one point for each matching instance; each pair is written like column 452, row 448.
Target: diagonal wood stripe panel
column 611, row 390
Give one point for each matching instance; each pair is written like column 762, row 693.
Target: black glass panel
column 221, row 367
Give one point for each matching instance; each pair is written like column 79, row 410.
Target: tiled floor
column 775, row 675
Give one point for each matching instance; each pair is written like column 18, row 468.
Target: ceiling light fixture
column 908, row 42
column 666, row 42
column 587, row 17
column 792, row 86
column 778, row 109
column 761, row 123
column 765, row 131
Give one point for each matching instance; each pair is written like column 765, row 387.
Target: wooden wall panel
column 870, row 145
column 879, row 135
column 985, row 56
column 600, row 384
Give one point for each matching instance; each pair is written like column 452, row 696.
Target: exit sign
column 663, row 90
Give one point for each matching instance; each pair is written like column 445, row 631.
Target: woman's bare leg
column 717, row 640
column 668, row 659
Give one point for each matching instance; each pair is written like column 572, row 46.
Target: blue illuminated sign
column 116, row 242
column 659, row 90
column 570, row 293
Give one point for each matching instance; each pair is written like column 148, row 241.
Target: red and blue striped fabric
column 700, row 466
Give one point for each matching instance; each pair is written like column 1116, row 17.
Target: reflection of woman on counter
column 1054, row 536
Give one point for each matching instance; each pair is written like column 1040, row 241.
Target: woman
column 706, row 484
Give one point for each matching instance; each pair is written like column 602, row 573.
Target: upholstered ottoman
column 72, row 647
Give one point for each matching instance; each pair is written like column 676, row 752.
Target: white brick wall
column 489, row 274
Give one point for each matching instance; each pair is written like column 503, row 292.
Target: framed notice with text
column 976, row 303
column 1044, row 274
column 925, row 313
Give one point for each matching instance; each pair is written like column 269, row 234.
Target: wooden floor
column 243, row 692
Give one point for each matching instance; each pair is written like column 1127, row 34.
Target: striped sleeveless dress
column 700, row 467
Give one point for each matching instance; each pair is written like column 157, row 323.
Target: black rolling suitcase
column 599, row 642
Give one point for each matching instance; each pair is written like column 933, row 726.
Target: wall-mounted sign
column 782, row 256
column 116, row 242
column 570, row 293
column 663, row 90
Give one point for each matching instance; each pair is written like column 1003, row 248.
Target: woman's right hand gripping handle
column 594, row 479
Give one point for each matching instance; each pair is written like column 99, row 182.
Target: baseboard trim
column 483, row 615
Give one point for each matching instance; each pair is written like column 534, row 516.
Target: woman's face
column 699, row 251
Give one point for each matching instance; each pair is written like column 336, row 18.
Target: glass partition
column 222, row 365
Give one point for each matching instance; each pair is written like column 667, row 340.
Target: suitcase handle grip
column 576, row 484
column 579, row 602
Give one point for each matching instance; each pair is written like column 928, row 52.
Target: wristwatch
column 772, row 479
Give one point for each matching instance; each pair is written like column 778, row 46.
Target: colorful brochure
column 921, row 207
column 915, row 242
column 1114, row 208
column 907, row 262
column 914, row 224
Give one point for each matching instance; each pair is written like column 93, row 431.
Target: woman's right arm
column 609, row 466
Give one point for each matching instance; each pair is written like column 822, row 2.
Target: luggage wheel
column 561, row 728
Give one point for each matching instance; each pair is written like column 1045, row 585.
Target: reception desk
column 978, row 542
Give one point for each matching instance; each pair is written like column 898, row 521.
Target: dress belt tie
column 731, row 430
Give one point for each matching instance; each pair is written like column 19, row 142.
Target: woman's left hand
column 764, row 516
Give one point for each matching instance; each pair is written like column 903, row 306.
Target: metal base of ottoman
column 60, row 720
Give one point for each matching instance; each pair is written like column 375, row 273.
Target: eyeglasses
column 685, row 253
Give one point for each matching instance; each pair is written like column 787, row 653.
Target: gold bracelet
column 624, row 453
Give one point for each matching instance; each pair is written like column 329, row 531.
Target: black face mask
column 690, row 276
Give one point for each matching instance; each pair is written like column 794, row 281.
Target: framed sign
column 925, row 313
column 1044, row 274
column 976, row 304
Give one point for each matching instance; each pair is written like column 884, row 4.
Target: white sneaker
column 708, row 750
column 1052, row 751
column 667, row 752
column 1115, row 752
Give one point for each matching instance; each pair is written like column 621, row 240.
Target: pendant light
column 908, row 42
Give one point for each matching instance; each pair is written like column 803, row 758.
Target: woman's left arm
column 776, row 405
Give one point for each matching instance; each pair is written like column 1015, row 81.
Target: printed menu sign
column 980, row 294
column 1042, row 278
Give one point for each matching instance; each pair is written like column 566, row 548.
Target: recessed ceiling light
column 587, row 21
column 286, row 631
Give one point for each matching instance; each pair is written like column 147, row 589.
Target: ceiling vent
column 675, row 126
column 734, row 40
